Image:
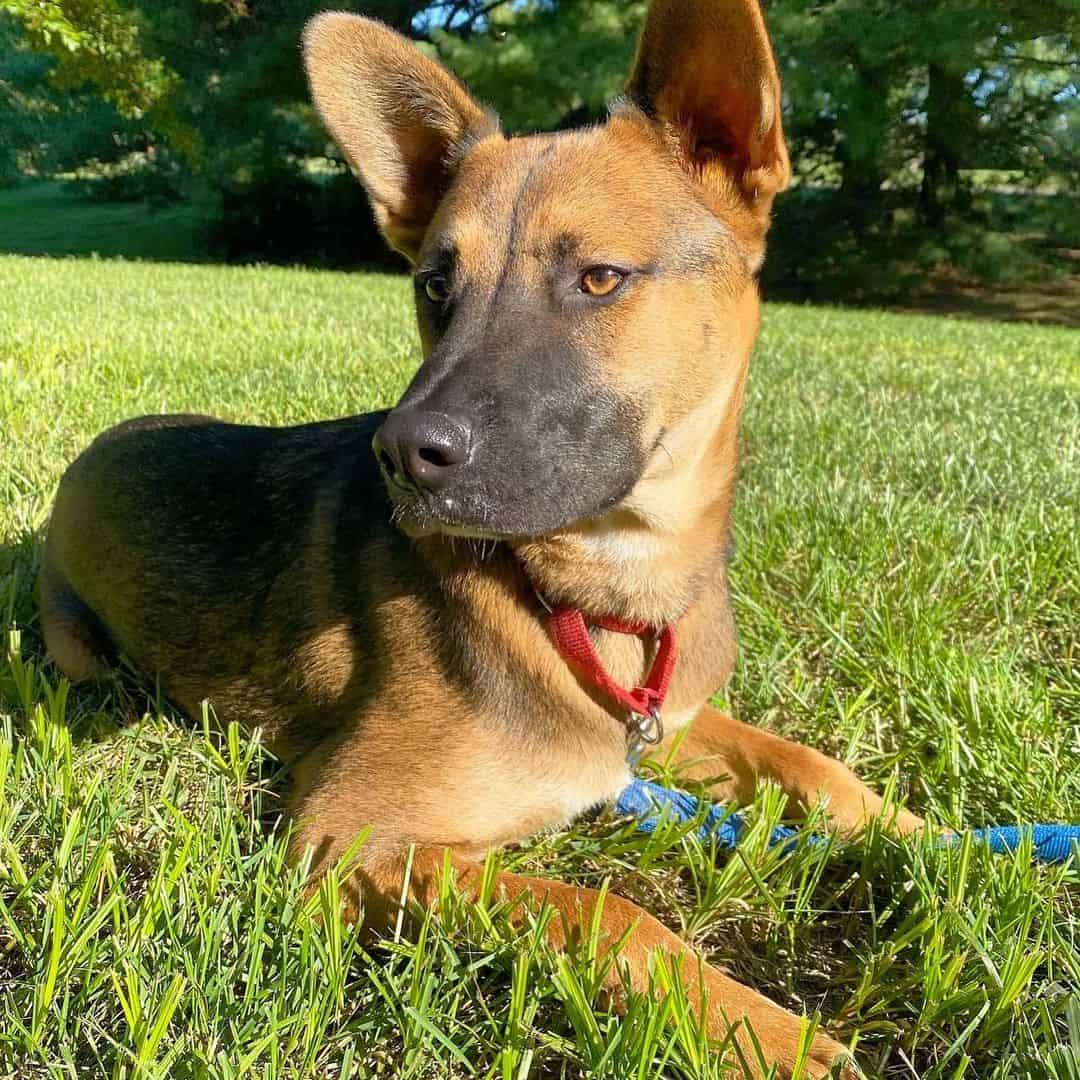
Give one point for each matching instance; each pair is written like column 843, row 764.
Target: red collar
column 570, row 631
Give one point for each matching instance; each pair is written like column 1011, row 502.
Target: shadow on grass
column 283, row 222
column 20, row 561
column 1010, row 257
column 95, row 711
column 1054, row 302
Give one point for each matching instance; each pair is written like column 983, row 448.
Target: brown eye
column 437, row 288
column 601, row 280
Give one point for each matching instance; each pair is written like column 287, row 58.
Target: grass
column 908, row 595
column 53, row 218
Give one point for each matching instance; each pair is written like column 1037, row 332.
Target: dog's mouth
column 499, row 485
column 422, row 513
column 516, row 466
column 473, row 515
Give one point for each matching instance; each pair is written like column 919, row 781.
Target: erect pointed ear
column 402, row 121
column 705, row 70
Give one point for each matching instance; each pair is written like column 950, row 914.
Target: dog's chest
column 521, row 790
column 523, row 785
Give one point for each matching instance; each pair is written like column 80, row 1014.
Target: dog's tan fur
column 440, row 714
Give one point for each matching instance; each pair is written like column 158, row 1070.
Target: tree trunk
column 947, row 112
column 865, row 128
column 860, row 179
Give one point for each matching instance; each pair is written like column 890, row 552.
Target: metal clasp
column 641, row 731
column 650, row 728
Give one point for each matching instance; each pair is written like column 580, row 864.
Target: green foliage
column 543, row 66
column 217, row 90
column 907, row 578
column 48, row 20
column 44, row 130
column 961, row 84
column 101, row 42
column 884, row 101
column 823, row 249
column 860, row 77
column 284, row 215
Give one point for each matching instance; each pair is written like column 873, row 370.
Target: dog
column 461, row 621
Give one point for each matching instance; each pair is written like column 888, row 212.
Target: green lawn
column 52, row 218
column 908, row 596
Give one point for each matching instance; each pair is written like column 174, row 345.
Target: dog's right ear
column 402, row 121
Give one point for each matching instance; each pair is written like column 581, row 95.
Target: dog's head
column 586, row 300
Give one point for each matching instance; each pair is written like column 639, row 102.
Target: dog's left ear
column 705, row 71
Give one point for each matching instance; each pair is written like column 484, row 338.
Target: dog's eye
column 601, row 280
column 437, row 288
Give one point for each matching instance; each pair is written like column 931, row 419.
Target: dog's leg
column 390, row 881
column 386, row 880
column 734, row 756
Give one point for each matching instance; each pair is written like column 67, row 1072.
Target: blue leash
column 650, row 803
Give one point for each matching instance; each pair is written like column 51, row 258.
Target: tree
column 880, row 86
column 45, row 129
column 188, row 70
column 100, row 42
column 543, row 66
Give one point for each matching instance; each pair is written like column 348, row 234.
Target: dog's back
column 234, row 531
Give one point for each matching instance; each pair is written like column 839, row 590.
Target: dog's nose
column 422, row 448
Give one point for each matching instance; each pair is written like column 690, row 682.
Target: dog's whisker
column 661, row 445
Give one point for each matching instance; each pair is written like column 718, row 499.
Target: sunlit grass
column 907, row 581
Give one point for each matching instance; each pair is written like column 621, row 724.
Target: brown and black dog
column 587, row 304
